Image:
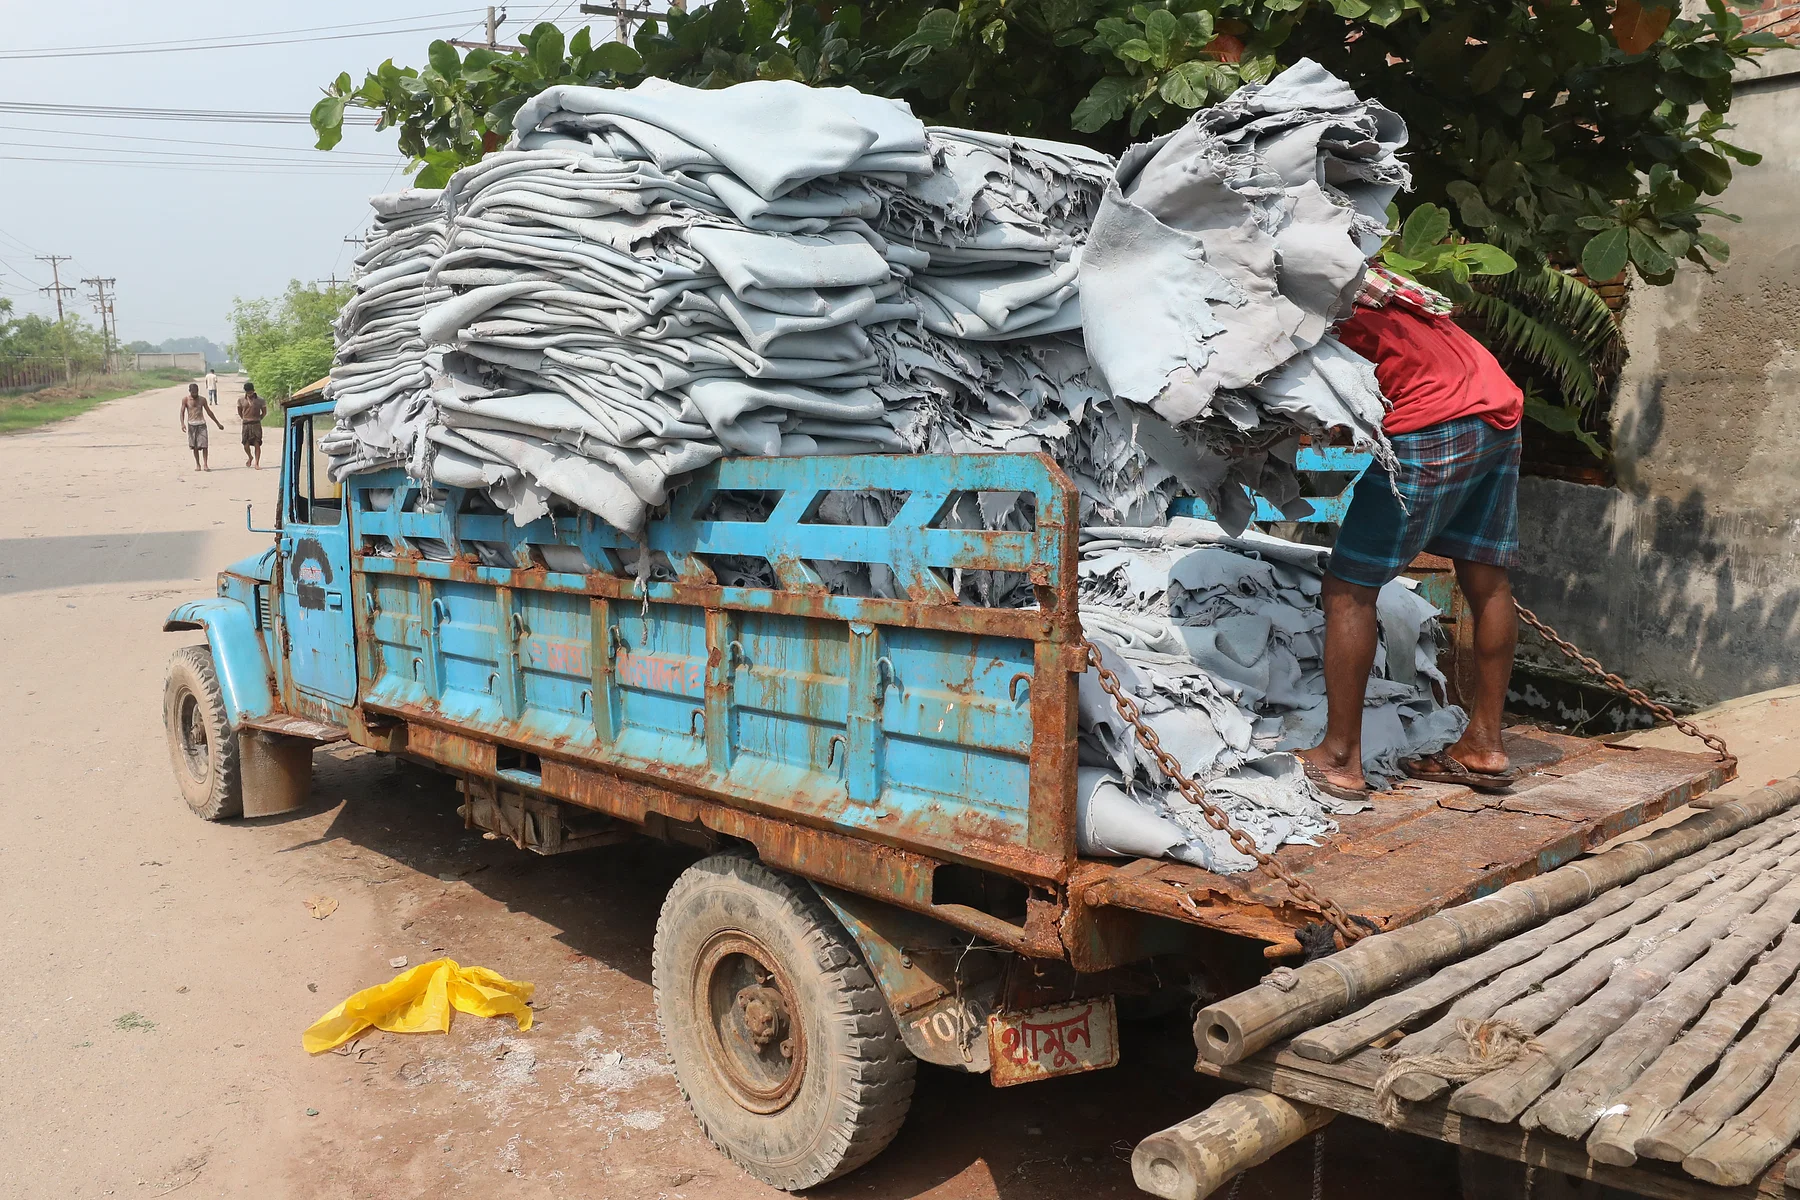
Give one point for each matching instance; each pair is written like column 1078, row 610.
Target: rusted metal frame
column 431, row 663
column 1009, row 859
column 853, row 863
column 998, row 622
column 720, row 663
column 867, row 687
column 512, row 634
column 604, row 700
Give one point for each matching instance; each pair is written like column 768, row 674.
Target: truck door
column 315, row 575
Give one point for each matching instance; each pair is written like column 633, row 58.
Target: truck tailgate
column 1427, row 846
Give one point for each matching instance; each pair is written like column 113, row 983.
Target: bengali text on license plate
column 1059, row 1040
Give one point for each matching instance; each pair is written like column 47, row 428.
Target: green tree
column 32, row 336
column 285, row 342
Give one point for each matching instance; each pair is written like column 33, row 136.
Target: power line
column 274, row 169
column 454, row 12
column 109, row 136
column 120, row 113
column 144, row 157
column 43, row 55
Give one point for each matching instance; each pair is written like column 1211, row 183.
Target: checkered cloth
column 1382, row 287
column 1458, row 496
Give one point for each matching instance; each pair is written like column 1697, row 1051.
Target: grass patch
column 29, row 410
column 131, row 1020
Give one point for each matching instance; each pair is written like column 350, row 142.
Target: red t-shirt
column 1430, row 370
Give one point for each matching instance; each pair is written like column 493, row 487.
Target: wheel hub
column 746, row 1005
column 193, row 734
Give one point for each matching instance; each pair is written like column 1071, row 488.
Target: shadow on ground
column 1069, row 1137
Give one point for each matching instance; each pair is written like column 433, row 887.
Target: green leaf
column 1109, row 100
column 1490, row 68
column 1706, row 171
column 1350, row 10
column 1562, row 418
column 937, row 29
column 1483, row 259
column 618, row 58
column 1160, row 31
column 547, row 50
column 1647, row 255
column 1136, row 50
column 1470, row 204
column 1185, row 86
column 328, row 120
column 1605, row 255
column 444, row 60
column 1197, row 27
column 1715, row 246
column 1426, row 226
column 1401, row 263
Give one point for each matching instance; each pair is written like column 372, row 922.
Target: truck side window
column 314, row 498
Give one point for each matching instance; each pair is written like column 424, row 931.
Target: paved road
column 159, row 969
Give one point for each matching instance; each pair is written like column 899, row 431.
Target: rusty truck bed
column 1425, row 847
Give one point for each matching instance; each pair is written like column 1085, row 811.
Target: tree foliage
column 32, row 336
column 285, row 342
column 1579, row 130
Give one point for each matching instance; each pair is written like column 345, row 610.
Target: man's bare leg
column 1351, row 636
column 259, row 456
column 1489, row 591
column 206, row 460
column 196, row 460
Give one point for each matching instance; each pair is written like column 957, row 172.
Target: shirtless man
column 251, row 409
column 195, row 412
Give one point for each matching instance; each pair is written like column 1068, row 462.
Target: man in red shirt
column 1454, row 424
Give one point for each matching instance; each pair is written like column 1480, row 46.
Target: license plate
column 1060, row 1040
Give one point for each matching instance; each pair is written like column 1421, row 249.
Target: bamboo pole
column 1233, row 1134
column 1240, row 1025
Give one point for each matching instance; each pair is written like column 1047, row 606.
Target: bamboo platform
column 1641, row 1033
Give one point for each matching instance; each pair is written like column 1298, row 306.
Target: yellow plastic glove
column 419, row 1001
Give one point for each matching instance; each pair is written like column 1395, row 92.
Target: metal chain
column 1318, row 1165
column 1215, row 816
column 1663, row 711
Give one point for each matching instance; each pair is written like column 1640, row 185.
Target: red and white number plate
column 1060, row 1040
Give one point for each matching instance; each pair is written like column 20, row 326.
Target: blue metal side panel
column 842, row 711
column 238, row 657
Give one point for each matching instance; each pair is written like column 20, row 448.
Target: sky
column 184, row 235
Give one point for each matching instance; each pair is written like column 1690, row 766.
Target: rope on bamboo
column 1487, row 1046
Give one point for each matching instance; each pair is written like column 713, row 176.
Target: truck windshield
column 314, row 499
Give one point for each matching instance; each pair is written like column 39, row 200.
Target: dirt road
column 160, row 969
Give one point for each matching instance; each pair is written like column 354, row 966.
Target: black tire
column 794, row 1099
column 203, row 747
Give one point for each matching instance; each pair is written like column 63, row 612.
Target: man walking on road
column 251, row 410
column 212, row 387
column 1454, row 423
column 195, row 412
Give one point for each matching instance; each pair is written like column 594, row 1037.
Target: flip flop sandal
column 1441, row 768
column 1335, row 790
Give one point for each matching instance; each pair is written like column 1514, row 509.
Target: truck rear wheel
column 202, row 745
column 783, row 1046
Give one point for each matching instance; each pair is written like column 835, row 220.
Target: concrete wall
column 184, row 361
column 1686, row 576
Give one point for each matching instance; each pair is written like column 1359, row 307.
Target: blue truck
column 873, row 787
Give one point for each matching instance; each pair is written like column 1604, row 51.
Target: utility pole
column 109, row 324
column 626, row 12
column 331, row 283
column 493, row 36
column 57, row 288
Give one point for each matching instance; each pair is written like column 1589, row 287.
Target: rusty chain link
column 1216, row 816
column 1713, row 741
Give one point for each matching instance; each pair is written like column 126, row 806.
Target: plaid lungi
column 1459, row 482
column 252, row 433
column 196, row 437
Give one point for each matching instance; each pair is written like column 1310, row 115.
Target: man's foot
column 1445, row 767
column 1334, row 776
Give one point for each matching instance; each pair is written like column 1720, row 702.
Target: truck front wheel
column 783, row 1046
column 202, row 745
